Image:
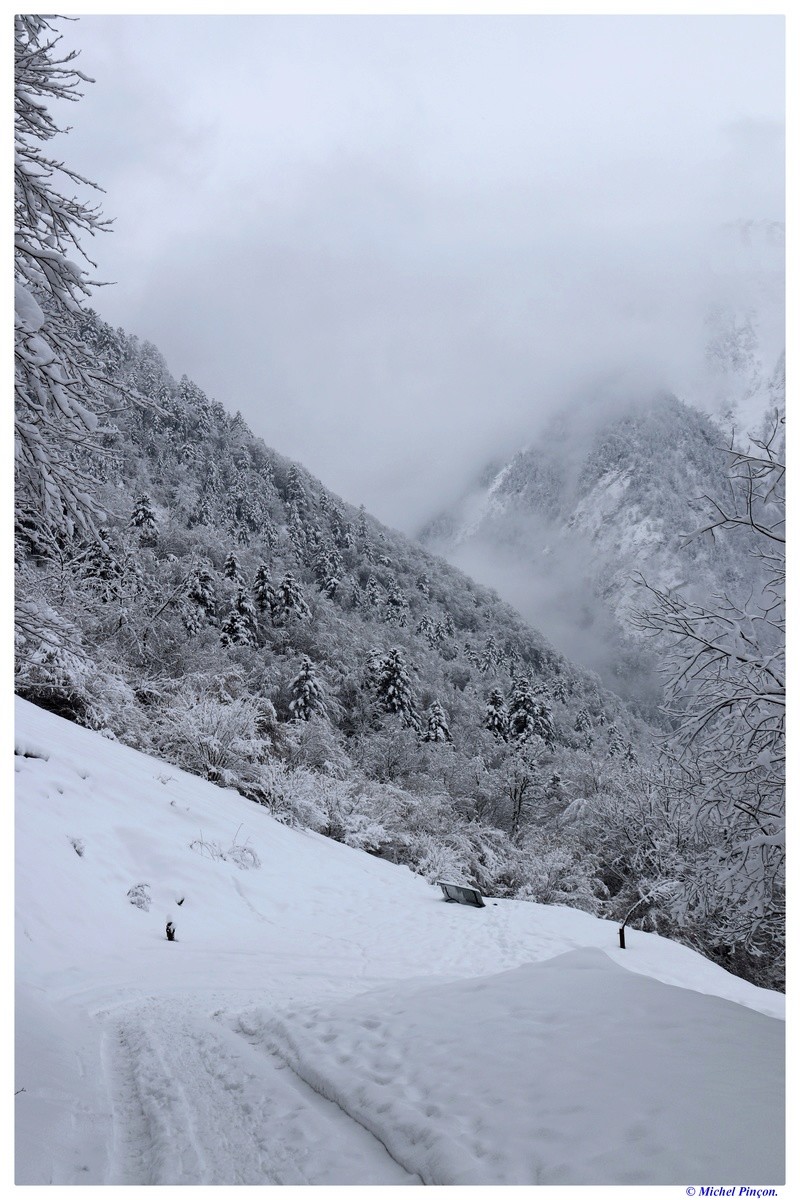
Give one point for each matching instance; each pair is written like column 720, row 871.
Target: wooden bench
column 459, row 893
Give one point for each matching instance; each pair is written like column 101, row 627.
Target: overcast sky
column 396, row 244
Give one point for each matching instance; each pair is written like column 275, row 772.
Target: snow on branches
column 57, row 387
column 724, row 666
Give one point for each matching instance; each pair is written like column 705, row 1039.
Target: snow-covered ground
column 325, row 1018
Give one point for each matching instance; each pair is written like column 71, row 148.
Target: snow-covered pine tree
column 230, row 568
column 395, row 610
column 328, row 568
column 297, row 532
column 616, row 743
column 491, row 655
column 437, row 729
column 143, row 518
column 341, row 529
column 374, row 664
column 355, row 595
column 307, row 696
column 269, row 533
column 393, row 688
column 263, row 591
column 289, row 600
column 102, row 567
column 295, row 489
column 201, row 590
column 372, row 592
column 430, row 630
column 201, row 513
column 496, row 717
column 583, row 724
column 471, row 655
column 238, row 628
column 528, row 714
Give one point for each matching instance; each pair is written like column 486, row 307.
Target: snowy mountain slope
column 600, row 498
column 145, row 1061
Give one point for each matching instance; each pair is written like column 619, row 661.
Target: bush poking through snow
column 243, row 856
column 139, row 896
column 211, row 850
column 78, row 845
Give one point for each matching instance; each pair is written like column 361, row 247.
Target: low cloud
column 398, row 246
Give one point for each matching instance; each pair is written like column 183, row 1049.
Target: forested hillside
column 231, row 613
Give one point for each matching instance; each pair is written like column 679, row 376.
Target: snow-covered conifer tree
column 496, row 717
column 201, row 591
column 396, row 608
column 307, row 697
column 372, row 592
column 583, row 723
column 393, row 688
column 230, row 568
column 143, row 518
column 528, row 714
column 616, row 744
column 490, row 656
column 471, row 655
column 238, row 628
column 103, row 568
column 328, row 568
column 289, row 600
column 263, row 591
column 295, row 489
column 430, row 630
column 437, row 729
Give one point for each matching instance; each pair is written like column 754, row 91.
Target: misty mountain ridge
column 608, row 493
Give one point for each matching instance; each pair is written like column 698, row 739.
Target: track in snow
column 193, row 1103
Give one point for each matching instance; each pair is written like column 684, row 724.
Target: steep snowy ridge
column 325, row 1018
column 568, row 526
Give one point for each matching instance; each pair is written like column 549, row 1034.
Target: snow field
column 569, row 1071
column 425, row 1041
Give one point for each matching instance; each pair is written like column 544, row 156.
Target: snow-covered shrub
column 242, row 856
column 291, row 796
column 205, row 849
column 214, row 738
column 314, row 744
column 139, row 896
column 362, row 832
column 441, row 860
column 555, row 874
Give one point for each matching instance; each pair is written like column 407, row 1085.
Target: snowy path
column 325, row 1018
column 193, row 1103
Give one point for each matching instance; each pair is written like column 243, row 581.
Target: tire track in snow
column 196, row 1104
